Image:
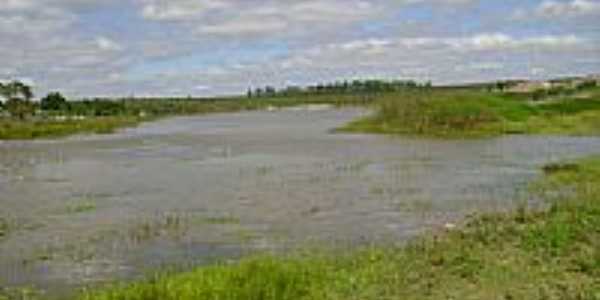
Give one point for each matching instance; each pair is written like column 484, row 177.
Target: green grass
column 32, row 129
column 523, row 254
column 470, row 113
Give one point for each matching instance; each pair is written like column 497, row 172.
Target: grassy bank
column 471, row 113
column 525, row 254
column 32, row 129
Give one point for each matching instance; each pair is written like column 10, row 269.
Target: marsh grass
column 524, row 254
column 19, row 293
column 33, row 129
column 4, row 227
column 81, row 206
column 165, row 224
column 474, row 114
column 219, row 220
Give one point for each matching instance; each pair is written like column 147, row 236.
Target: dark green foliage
column 371, row 86
column 18, row 99
column 54, row 101
column 4, row 228
column 559, row 167
column 16, row 90
column 19, row 108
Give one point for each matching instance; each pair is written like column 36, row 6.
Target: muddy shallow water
column 192, row 189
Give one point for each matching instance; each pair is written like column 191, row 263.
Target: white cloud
column 107, row 44
column 366, row 44
column 245, row 26
column 178, row 10
column 449, row 2
column 231, row 17
column 14, row 5
column 557, row 10
column 498, row 41
column 478, row 42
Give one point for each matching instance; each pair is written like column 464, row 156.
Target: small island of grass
column 469, row 113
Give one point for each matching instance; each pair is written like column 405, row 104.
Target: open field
column 524, row 254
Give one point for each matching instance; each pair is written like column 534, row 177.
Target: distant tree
column 2, row 95
column 19, row 108
column 345, row 86
column 249, row 93
column 16, row 90
column 320, row 87
column 501, row 86
column 270, row 91
column 18, row 99
column 54, row 101
column 587, row 84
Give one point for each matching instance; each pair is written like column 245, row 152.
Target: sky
column 86, row 48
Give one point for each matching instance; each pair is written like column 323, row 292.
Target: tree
column 19, row 108
column 16, row 90
column 18, row 99
column 270, row 91
column 53, row 101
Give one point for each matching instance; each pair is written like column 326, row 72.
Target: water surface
column 189, row 190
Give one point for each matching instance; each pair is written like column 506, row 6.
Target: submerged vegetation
column 524, row 254
column 81, row 206
column 3, row 227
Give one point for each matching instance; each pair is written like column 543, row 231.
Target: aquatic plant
column 4, row 227
column 84, row 205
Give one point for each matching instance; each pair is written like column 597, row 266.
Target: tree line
column 339, row 87
column 16, row 101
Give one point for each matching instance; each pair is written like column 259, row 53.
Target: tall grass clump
column 441, row 113
column 473, row 113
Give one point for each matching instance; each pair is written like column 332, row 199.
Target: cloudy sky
column 208, row 47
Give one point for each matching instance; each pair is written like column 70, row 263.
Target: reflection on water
column 189, row 190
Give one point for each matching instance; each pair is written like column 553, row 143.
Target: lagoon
column 188, row 190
